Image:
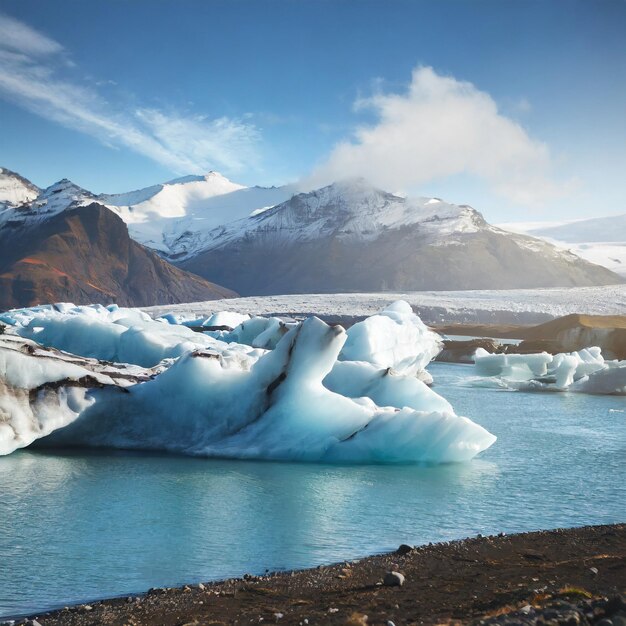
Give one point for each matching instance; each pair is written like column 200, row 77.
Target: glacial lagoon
column 81, row 524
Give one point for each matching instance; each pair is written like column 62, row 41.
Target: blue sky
column 515, row 107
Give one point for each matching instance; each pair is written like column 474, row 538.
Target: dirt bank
column 461, row 581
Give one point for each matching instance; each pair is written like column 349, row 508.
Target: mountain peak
column 64, row 183
column 64, row 191
column 351, row 196
column 15, row 189
column 209, row 177
column 350, row 187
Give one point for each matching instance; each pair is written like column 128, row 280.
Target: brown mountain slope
column 575, row 320
column 398, row 260
column 85, row 255
column 353, row 237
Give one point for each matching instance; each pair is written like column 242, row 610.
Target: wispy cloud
column 441, row 127
column 20, row 37
column 193, row 138
column 34, row 74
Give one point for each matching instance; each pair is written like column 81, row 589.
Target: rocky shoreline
column 567, row 576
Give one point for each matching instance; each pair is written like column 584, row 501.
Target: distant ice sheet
column 515, row 306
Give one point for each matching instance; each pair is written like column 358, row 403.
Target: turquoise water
column 80, row 525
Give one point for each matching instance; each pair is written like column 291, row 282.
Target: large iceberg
column 308, row 399
column 584, row 371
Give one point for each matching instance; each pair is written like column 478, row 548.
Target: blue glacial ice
column 298, row 391
column 107, row 333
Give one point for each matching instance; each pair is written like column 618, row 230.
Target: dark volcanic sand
column 459, row 581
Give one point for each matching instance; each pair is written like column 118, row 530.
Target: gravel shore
column 570, row 576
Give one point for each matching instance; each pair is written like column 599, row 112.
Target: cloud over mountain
column 441, row 127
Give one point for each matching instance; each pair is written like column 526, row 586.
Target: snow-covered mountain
column 345, row 237
column 15, row 190
column 600, row 240
column 350, row 236
column 351, row 210
column 60, row 244
column 48, row 202
column 172, row 199
column 173, row 218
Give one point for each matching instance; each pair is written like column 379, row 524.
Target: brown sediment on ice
column 561, row 576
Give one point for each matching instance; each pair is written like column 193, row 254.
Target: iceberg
column 303, row 400
column 228, row 319
column 107, row 333
column 584, row 371
column 257, row 332
column 395, row 338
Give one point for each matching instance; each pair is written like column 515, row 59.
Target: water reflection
column 76, row 525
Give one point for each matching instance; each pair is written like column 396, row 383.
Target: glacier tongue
column 297, row 401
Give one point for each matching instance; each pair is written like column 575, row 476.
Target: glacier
column 582, row 371
column 110, row 377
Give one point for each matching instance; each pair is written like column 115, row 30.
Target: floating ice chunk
column 119, row 335
column 395, row 338
column 584, row 371
column 172, row 318
column 241, row 403
column 514, row 366
column 258, row 332
column 225, row 318
column 611, row 380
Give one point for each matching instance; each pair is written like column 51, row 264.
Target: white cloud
column 15, row 35
column 193, row 138
column 441, row 127
column 31, row 65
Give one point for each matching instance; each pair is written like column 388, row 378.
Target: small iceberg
column 584, row 371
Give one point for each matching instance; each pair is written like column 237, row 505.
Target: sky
column 516, row 107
